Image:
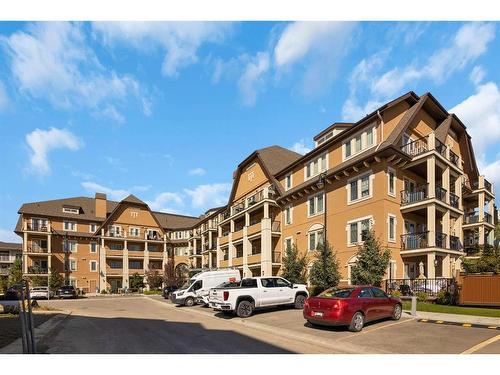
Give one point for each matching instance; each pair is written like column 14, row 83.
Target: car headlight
column 180, row 294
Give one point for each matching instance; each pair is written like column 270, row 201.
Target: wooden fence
column 479, row 289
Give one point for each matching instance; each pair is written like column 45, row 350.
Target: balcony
column 487, row 186
column 254, row 258
column 416, row 241
column 441, row 194
column 454, row 159
column 237, row 208
column 455, row 243
column 276, row 255
column 37, row 227
column 454, row 200
column 419, row 194
column 35, row 270
column 416, row 147
column 112, row 271
column 36, row 249
column 440, row 148
column 224, row 239
column 115, row 234
column 474, row 218
column 253, row 229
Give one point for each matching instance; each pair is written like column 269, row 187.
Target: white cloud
column 111, row 112
column 115, row 194
column 301, row 147
column 197, row 172
column 4, row 99
column 251, row 80
column 480, row 112
column 470, row 42
column 323, row 43
column 52, row 61
column 491, row 171
column 8, row 235
column 180, row 40
column 477, row 75
column 161, row 202
column 210, row 195
column 42, row 142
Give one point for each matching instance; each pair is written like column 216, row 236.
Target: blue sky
column 166, row 111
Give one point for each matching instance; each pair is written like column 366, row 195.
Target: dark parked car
column 67, row 291
column 13, row 293
column 351, row 306
column 168, row 290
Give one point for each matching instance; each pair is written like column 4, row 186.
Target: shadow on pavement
column 91, row 335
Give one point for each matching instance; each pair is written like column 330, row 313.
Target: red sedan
column 351, row 306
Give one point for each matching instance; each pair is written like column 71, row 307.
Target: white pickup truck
column 257, row 292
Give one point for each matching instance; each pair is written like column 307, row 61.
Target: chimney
column 100, row 205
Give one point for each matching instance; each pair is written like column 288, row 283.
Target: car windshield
column 336, row 293
column 187, row 284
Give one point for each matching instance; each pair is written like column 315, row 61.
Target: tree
column 324, row 272
column 55, row 280
column 372, row 262
column 4, row 283
column 136, row 281
column 16, row 272
column 37, row 280
column 170, row 276
column 154, row 279
column 294, row 265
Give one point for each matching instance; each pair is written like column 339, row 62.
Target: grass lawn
column 10, row 326
column 431, row 307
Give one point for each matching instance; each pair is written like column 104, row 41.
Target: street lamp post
column 321, row 184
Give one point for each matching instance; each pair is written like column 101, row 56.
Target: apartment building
column 249, row 235
column 203, row 241
column 407, row 171
column 9, row 252
column 97, row 244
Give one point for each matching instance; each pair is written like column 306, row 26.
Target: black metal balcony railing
column 488, row 218
column 441, row 240
column 410, row 287
column 487, row 186
column 413, row 241
column 440, row 148
column 237, row 208
column 416, row 147
column 37, row 227
column 35, row 270
column 413, row 196
column 454, row 158
column 471, row 219
column 154, row 236
column 226, row 215
column 454, row 200
column 440, row 193
column 474, row 185
column 256, row 198
column 454, row 243
column 37, row 249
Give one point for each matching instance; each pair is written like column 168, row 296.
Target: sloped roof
column 133, row 199
column 10, row 246
column 276, row 158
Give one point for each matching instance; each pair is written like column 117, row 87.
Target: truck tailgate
column 216, row 295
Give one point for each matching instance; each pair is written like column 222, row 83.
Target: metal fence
column 410, row 287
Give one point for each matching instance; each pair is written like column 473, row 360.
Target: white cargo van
column 197, row 288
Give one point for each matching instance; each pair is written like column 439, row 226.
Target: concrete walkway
column 456, row 318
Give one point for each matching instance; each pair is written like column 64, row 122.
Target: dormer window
column 71, row 210
column 316, row 166
column 360, row 142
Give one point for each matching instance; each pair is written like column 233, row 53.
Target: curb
column 453, row 319
column 343, row 348
column 466, row 325
column 41, row 331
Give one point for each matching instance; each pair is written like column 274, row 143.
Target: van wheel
column 396, row 314
column 357, row 322
column 189, row 302
column 299, row 302
column 245, row 309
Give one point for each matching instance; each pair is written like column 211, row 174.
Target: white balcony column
column 446, row 183
column 482, row 202
column 125, row 266
column 102, row 264
column 246, row 247
column 209, row 260
column 458, row 191
column 145, row 264
column 230, row 249
column 431, row 141
column 446, row 266
column 247, row 219
column 203, row 247
column 266, row 247
column 165, row 256
column 431, row 175
column 219, row 252
column 431, row 225
column 266, row 210
column 25, row 250
column 431, row 269
column 446, row 228
column 49, row 252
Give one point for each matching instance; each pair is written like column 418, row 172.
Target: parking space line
column 375, row 329
column 465, row 325
column 481, row 345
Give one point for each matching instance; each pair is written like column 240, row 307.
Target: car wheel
column 357, row 322
column 299, row 302
column 189, row 302
column 396, row 314
column 245, row 309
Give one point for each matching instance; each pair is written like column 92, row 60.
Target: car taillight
column 226, row 296
column 306, row 304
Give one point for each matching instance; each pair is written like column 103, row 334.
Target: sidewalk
column 456, row 318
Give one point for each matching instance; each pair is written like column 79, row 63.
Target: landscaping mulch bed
column 10, row 326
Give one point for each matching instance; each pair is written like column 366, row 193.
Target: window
column 267, row 283
column 72, row 265
column 115, row 264
column 134, row 232
column 365, row 293
column 288, row 215
column 197, row 285
column 288, row 182
column 315, row 239
column 93, row 266
column 70, row 246
column 93, row 247
column 152, row 247
column 316, row 166
column 360, row 142
column 93, row 227
column 315, row 205
column 134, row 264
column 71, row 210
column 114, row 230
column 378, row 293
column 391, row 222
column 70, row 226
column 288, row 243
column 391, row 182
column 134, row 247
column 360, row 188
column 357, row 230
column 282, row 283
column 116, row 246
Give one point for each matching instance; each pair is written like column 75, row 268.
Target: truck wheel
column 189, row 302
column 245, row 309
column 299, row 301
column 357, row 322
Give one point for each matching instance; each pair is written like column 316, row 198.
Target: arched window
column 315, row 236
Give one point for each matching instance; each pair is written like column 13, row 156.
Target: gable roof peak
column 133, row 199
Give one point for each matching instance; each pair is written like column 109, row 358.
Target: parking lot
column 152, row 325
